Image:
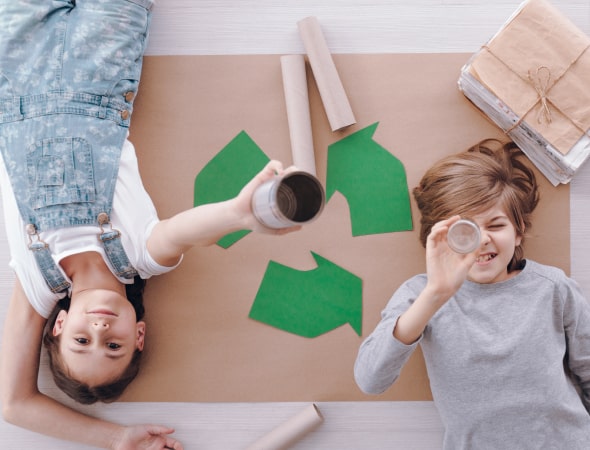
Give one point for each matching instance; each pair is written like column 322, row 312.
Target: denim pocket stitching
column 75, row 170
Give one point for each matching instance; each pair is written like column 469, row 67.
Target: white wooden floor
column 204, row 27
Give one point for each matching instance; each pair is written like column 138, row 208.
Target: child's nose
column 485, row 238
column 100, row 325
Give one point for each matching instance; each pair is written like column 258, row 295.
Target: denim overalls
column 69, row 72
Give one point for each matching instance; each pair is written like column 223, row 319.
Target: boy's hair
column 82, row 392
column 473, row 180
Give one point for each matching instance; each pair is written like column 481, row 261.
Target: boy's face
column 98, row 336
column 499, row 238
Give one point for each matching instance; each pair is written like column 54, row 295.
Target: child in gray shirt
column 506, row 340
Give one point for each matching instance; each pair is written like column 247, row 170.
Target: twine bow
column 540, row 81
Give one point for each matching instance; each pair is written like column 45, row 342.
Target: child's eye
column 113, row 346
column 82, row 341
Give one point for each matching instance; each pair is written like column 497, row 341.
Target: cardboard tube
column 298, row 116
column 286, row 434
column 329, row 84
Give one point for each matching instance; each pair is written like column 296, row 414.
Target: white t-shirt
column 133, row 214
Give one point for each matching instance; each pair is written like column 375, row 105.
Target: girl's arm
column 23, row 405
column 206, row 224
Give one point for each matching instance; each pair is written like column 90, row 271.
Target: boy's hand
column 446, row 269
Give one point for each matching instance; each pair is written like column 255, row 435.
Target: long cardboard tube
column 330, row 86
column 290, row 431
column 298, row 115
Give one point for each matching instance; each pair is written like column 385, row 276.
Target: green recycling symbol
column 373, row 181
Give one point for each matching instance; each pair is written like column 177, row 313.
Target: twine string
column 541, row 80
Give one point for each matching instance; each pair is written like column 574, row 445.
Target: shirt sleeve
column 381, row 356
column 135, row 215
column 576, row 318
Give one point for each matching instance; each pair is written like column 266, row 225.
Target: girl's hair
column 82, row 392
column 471, row 181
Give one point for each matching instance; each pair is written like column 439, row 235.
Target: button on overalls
column 69, row 72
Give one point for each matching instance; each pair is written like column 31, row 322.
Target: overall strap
column 49, row 270
column 113, row 248
column 111, row 240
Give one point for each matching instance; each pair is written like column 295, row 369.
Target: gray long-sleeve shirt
column 495, row 357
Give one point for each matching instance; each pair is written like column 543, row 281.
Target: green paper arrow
column 309, row 303
column 372, row 180
column 226, row 174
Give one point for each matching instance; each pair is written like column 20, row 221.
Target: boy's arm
column 206, row 224
column 446, row 272
column 383, row 354
column 23, row 405
column 576, row 317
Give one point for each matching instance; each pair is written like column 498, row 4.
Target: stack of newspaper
column 531, row 79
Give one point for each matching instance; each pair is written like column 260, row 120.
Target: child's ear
column 140, row 338
column 59, row 322
column 520, row 236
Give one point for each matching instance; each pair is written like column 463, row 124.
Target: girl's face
column 499, row 238
column 99, row 335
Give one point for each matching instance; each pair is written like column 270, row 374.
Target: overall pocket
column 60, row 171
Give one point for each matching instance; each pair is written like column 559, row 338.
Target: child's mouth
column 485, row 258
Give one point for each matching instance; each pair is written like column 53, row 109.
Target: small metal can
column 464, row 236
column 288, row 200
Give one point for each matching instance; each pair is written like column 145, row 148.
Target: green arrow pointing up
column 227, row 173
column 372, row 180
column 309, row 303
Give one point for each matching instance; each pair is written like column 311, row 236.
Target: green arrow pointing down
column 372, row 180
column 309, row 303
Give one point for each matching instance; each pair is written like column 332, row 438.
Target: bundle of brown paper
column 537, row 68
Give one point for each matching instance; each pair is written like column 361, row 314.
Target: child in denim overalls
column 79, row 223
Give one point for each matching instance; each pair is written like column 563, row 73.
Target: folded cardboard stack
column 532, row 78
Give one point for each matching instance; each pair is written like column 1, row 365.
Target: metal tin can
column 285, row 201
column 464, row 236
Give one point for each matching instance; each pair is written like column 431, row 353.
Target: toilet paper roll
column 298, row 115
column 290, row 431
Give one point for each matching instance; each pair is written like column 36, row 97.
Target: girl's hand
column 206, row 224
column 147, row 437
column 244, row 198
column 446, row 269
